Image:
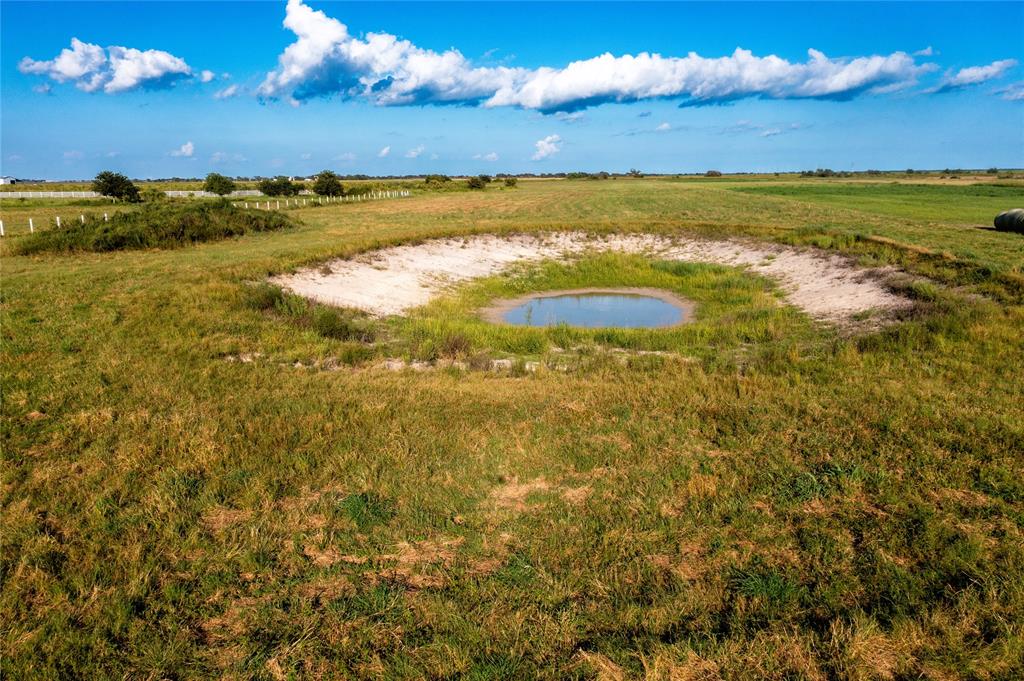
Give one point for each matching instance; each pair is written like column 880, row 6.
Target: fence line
column 94, row 195
column 262, row 205
column 176, row 193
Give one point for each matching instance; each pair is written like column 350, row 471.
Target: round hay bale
column 1010, row 221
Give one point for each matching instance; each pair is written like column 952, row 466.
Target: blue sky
column 499, row 87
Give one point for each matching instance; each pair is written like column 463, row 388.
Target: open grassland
column 204, row 477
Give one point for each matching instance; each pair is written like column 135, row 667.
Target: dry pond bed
column 392, row 281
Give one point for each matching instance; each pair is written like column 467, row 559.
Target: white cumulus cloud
column 206, row 76
column 384, row 152
column 414, row 153
column 186, row 150
column 548, row 146
column 326, row 60
column 113, row 69
column 664, row 127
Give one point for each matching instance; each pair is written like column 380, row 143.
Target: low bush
column 279, row 186
column 330, row 323
column 475, row 183
column 157, row 225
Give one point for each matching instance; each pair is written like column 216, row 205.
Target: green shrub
column 327, row 184
column 263, row 296
column 218, row 184
column 115, row 185
column 330, row 324
column 511, row 182
column 157, row 225
column 279, row 186
column 475, row 183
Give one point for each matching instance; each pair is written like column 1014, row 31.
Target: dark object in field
column 170, row 225
column 1010, row 221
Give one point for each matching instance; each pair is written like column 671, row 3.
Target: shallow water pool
column 595, row 309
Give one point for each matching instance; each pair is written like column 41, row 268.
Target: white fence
column 49, row 195
column 237, row 192
column 94, row 195
column 276, row 204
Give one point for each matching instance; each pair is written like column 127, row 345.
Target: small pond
column 594, row 308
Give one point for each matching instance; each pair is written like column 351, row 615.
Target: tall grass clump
column 154, row 226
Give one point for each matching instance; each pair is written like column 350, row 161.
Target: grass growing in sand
column 735, row 311
column 844, row 507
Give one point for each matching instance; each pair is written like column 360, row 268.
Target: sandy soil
column 394, row 280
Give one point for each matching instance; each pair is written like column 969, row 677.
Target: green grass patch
column 734, row 310
column 975, row 204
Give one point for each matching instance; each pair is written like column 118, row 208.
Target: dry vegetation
column 772, row 500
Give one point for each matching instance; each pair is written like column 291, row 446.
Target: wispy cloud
column 664, row 127
column 112, row 70
column 348, row 156
column 73, row 155
column 384, row 152
column 415, row 152
column 326, row 60
column 973, row 75
column 1014, row 92
column 549, row 146
column 492, row 156
column 186, row 150
column 224, row 157
column 573, row 117
column 226, row 93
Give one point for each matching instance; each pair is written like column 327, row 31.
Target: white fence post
column 1, row 227
column 82, row 218
column 58, row 221
column 106, row 218
column 31, row 227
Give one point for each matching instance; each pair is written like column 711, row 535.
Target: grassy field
column 205, row 477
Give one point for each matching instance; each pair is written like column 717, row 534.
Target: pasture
column 204, row 475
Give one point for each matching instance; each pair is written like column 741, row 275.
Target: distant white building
column 7, row 179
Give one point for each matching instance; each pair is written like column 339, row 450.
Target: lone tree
column 115, row 185
column 327, row 184
column 475, row 183
column 218, row 184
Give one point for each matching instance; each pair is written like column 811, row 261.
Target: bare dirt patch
column 392, row 281
column 512, row 495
